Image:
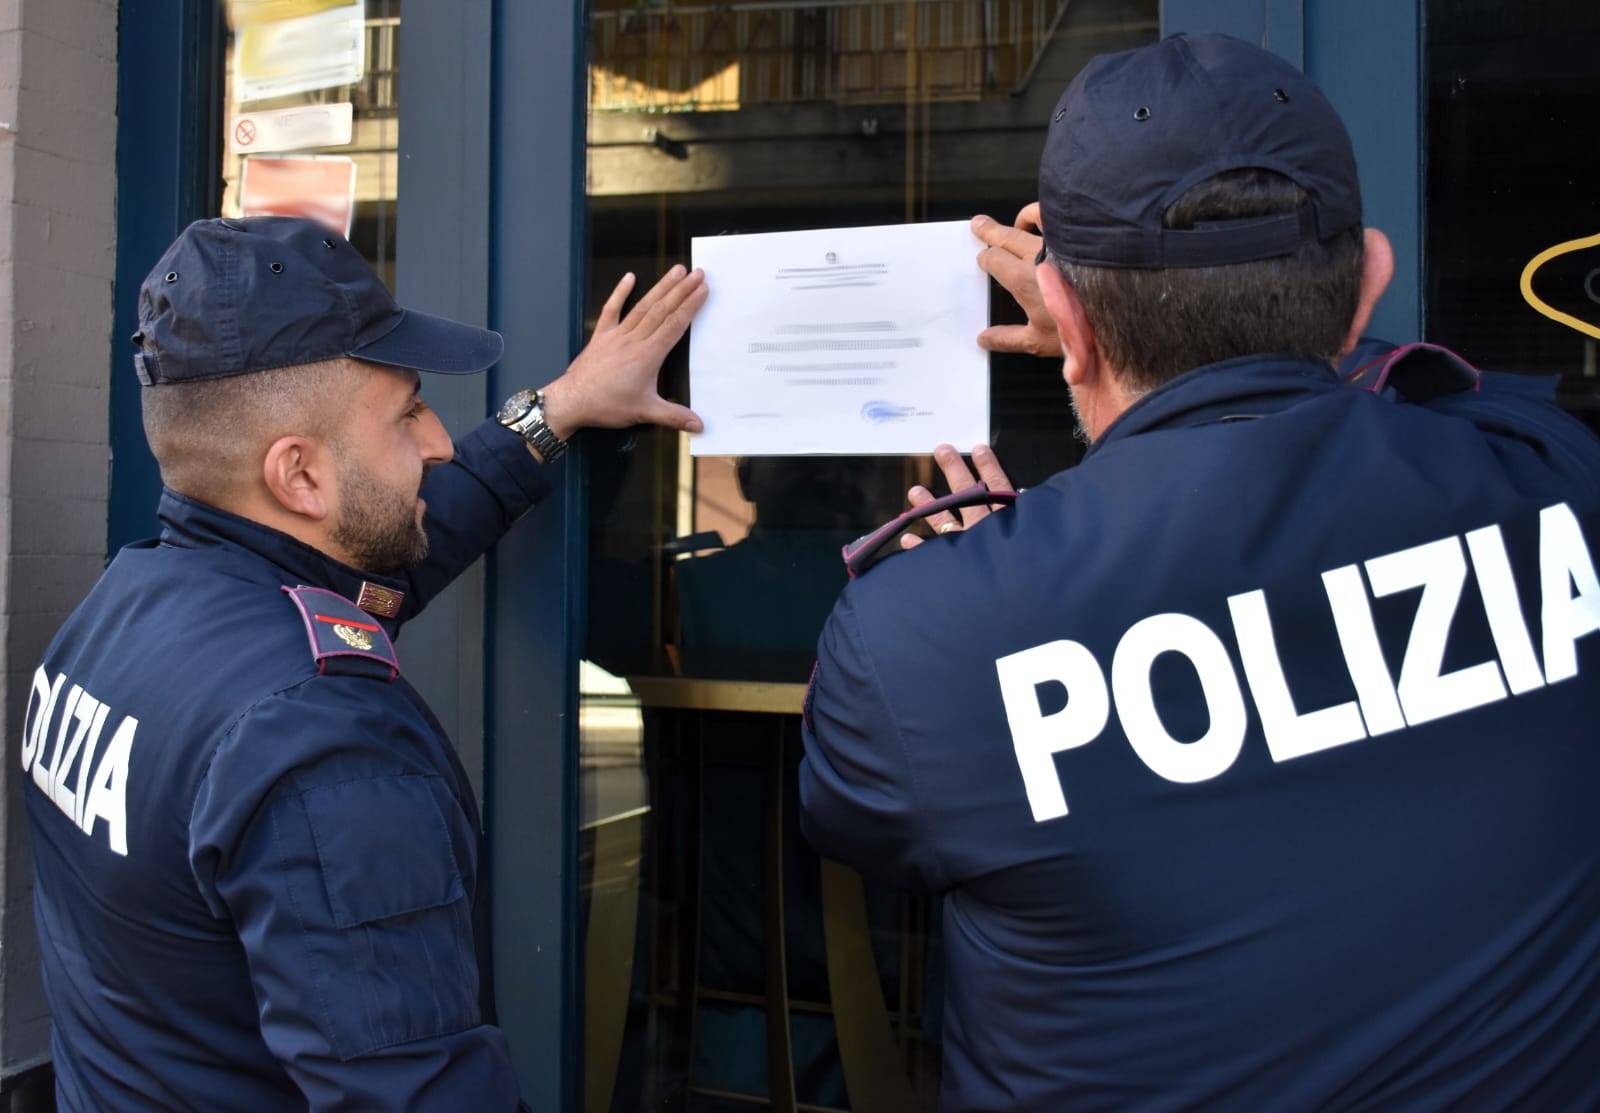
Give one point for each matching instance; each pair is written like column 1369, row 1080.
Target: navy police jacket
column 256, row 851
column 1254, row 757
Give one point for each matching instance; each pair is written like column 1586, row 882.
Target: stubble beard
column 1080, row 432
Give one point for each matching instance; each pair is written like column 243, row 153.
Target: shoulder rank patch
column 343, row 637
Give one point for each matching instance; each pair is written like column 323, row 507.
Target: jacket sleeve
column 858, row 788
column 346, row 869
column 472, row 501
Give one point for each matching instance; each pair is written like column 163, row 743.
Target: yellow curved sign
column 1538, row 303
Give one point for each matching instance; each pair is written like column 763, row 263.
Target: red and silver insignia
column 381, row 601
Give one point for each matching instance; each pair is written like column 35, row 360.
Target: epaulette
column 1417, row 373
column 343, row 637
column 864, row 552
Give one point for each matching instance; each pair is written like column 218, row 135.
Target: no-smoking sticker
column 307, row 127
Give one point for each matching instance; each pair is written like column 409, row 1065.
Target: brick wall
column 58, row 96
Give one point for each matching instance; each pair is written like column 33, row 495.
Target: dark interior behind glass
column 1513, row 170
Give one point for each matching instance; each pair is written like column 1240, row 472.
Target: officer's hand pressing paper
column 612, row 383
column 1010, row 255
column 853, row 341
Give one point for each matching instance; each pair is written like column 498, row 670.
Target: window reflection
column 311, row 126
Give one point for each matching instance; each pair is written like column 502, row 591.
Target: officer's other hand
column 612, row 383
column 1009, row 258
column 958, row 476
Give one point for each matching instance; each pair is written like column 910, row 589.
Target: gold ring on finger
column 947, row 527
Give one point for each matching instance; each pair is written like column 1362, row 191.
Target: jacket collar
column 1247, row 387
column 190, row 524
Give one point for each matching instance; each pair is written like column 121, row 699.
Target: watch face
column 516, row 407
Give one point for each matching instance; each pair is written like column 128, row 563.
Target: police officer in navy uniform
column 1253, row 757
column 256, row 850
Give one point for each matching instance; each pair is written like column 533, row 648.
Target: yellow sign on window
column 248, row 13
column 317, row 51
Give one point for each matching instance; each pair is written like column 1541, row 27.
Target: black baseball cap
column 1136, row 130
column 231, row 297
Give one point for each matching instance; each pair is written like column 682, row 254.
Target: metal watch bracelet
column 532, row 427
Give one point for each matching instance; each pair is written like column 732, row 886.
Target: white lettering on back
column 1290, row 734
column 1564, row 561
column 100, row 794
column 108, row 792
column 1363, row 655
column 1440, row 569
column 1492, row 567
column 1570, row 610
column 43, row 769
column 1214, row 751
column 1037, row 737
column 40, row 701
column 91, row 715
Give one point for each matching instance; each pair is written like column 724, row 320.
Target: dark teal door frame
column 536, row 576
column 491, row 230
column 168, row 134
column 1367, row 56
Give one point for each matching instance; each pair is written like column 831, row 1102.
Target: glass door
column 1512, row 264
column 725, row 966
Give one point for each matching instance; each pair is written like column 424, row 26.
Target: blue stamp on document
column 879, row 412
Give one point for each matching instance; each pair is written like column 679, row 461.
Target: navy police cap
column 1136, row 130
column 231, row 297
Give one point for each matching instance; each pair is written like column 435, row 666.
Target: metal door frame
column 537, row 576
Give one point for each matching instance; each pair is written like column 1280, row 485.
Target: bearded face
column 380, row 522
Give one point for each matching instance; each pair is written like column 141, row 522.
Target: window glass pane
column 710, row 980
column 1513, row 171
column 311, row 126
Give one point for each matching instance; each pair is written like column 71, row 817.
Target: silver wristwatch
column 523, row 414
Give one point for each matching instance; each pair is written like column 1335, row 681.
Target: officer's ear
column 1377, row 268
column 1061, row 301
column 297, row 473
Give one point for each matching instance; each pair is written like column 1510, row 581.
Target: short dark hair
column 1153, row 325
column 208, row 435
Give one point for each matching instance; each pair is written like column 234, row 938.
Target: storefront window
column 1514, row 178
column 311, row 126
column 725, row 965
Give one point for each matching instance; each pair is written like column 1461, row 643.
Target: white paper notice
column 281, row 56
column 843, row 341
column 292, row 129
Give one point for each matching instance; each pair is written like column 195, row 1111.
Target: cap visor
column 424, row 342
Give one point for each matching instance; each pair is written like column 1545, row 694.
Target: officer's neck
column 1098, row 398
column 315, row 533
